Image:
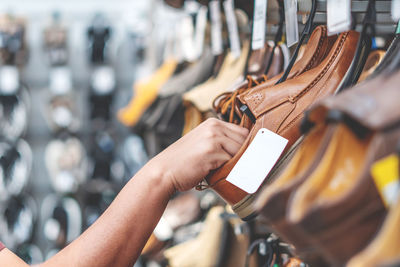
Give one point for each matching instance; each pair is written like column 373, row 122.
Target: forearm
column 119, row 235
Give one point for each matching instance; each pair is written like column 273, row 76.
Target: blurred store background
column 67, row 67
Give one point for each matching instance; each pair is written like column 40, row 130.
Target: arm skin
column 119, row 235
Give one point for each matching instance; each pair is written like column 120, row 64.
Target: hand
column 205, row 148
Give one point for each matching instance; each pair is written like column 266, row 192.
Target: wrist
column 159, row 176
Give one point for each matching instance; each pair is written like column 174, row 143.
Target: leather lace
column 226, row 102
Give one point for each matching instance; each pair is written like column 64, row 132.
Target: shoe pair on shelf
column 327, row 202
column 279, row 108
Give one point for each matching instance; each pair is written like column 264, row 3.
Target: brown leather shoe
column 280, row 109
column 271, row 204
column 258, row 60
column 384, row 250
column 339, row 206
column 316, row 50
column 273, row 200
column 373, row 60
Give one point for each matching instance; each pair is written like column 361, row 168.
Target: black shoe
column 18, row 220
column 62, row 220
column 15, row 168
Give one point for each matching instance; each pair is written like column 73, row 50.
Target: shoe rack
column 384, row 22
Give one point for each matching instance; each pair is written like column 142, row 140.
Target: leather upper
column 317, row 49
column 280, row 108
column 365, row 104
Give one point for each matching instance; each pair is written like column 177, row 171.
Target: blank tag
column 201, row 22
column 292, row 26
column 259, row 24
column 187, row 40
column 216, row 28
column 396, row 10
column 257, row 161
column 338, row 16
column 233, row 30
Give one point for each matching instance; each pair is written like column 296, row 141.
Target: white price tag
column 259, row 24
column 187, row 33
column 201, row 22
column 396, row 10
column 216, row 28
column 292, row 26
column 257, row 161
column 9, row 80
column 233, row 30
column 338, row 16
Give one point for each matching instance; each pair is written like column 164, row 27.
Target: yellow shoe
column 145, row 92
column 232, row 69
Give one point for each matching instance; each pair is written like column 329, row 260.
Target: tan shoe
column 280, row 109
column 340, row 197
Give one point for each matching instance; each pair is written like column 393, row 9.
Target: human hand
column 205, row 148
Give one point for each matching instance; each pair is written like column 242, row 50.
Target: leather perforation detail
column 256, row 98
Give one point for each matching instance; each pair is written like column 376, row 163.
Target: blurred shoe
column 102, row 88
column 105, row 163
column 62, row 115
column 97, row 196
column 180, row 211
column 99, row 34
column 145, row 93
column 30, row 253
column 15, row 168
column 385, row 247
column 14, row 104
column 18, row 219
column 62, row 219
column 134, row 154
column 210, row 242
column 340, row 196
column 13, row 48
column 373, row 61
column 191, row 76
column 258, row 60
column 55, row 40
column 66, row 163
column 273, row 199
column 51, row 253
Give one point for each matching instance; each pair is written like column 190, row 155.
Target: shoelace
column 226, row 102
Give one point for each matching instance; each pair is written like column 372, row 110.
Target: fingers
column 228, row 145
column 237, row 137
column 218, row 159
column 228, row 130
column 234, row 129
